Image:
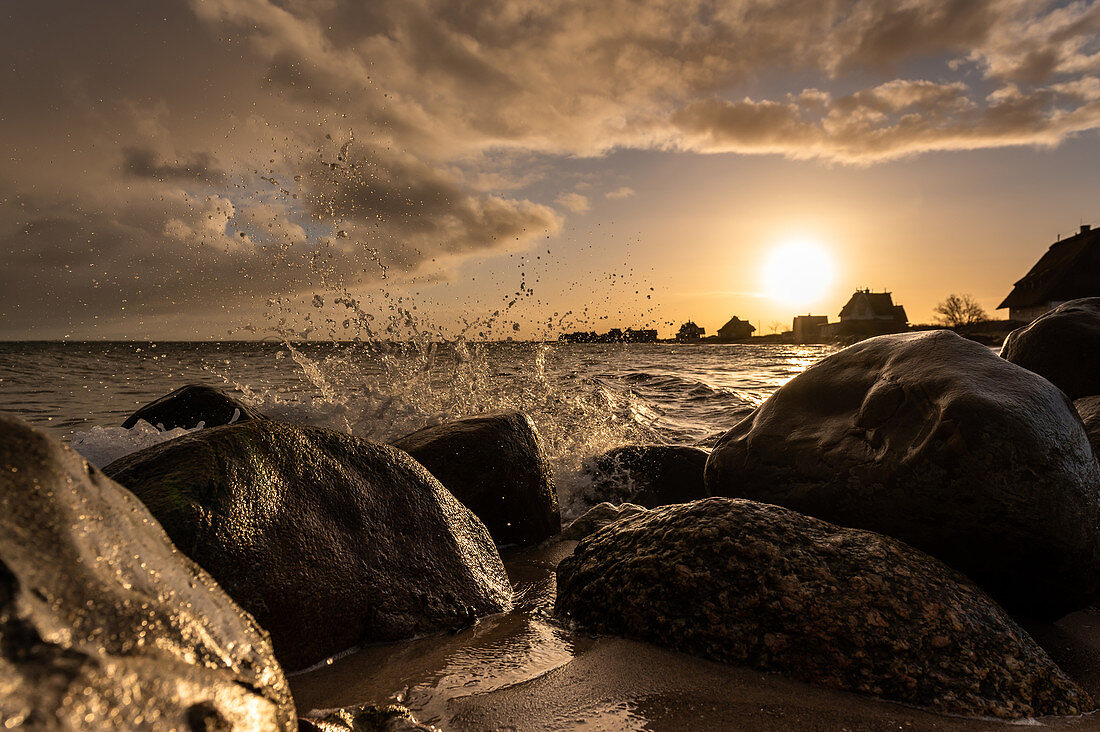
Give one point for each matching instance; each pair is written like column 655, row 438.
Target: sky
column 241, row 168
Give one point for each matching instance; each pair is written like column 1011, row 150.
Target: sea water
column 584, row 398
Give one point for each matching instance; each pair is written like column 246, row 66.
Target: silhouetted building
column 615, row 335
column 1070, row 269
column 640, row 336
column 735, row 330
column 689, row 331
column 872, row 313
column 579, row 337
column 809, row 328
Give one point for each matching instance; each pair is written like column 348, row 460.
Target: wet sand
column 522, row 671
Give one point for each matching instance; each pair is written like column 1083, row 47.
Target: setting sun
column 797, row 272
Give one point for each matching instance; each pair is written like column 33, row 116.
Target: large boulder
column 932, row 439
column 103, row 623
column 189, row 405
column 496, row 465
column 1062, row 346
column 758, row 585
column 649, row 475
column 327, row 539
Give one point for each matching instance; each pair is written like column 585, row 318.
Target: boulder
column 188, row 405
column 329, row 540
column 932, row 439
column 759, row 585
column 596, row 518
column 1062, row 346
column 496, row 465
column 103, row 623
column 1088, row 408
column 649, row 475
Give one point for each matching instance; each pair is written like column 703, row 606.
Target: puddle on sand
column 496, row 653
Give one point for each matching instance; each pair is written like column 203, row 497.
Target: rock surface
column 370, row 718
column 329, row 540
column 649, row 475
column 1062, row 346
column 932, row 439
column 754, row 584
column 598, row 517
column 188, row 405
column 1088, row 408
column 496, row 465
column 103, row 623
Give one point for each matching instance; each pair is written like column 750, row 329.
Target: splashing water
column 103, row 445
column 382, row 391
column 584, row 398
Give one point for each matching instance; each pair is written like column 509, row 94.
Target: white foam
column 103, row 445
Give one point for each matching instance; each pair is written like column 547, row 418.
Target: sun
column 797, row 272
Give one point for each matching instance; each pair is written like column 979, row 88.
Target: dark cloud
column 144, row 163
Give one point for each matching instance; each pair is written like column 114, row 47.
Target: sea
column 584, row 398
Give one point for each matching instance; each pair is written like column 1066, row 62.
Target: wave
column 384, row 390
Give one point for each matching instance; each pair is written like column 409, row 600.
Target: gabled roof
column 1068, row 270
column 881, row 304
column 736, row 322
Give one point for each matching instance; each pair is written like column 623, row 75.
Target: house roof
column 736, row 322
column 881, row 304
column 1068, row 270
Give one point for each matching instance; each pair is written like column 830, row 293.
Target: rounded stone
column 934, row 440
column 329, row 540
column 1062, row 346
column 759, row 585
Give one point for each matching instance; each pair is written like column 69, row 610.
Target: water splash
column 384, row 390
column 103, row 445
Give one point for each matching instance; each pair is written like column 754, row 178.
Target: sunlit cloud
column 620, row 193
column 575, row 202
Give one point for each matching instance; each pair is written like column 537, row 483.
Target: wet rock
column 1089, row 410
column 103, row 623
column 761, row 586
column 188, row 405
column 598, row 517
column 496, row 465
column 327, row 539
column 932, row 439
column 392, row 718
column 649, row 475
column 1063, row 346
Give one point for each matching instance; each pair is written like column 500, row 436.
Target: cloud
column 411, row 209
column 893, row 120
column 575, row 202
column 163, row 133
column 143, row 163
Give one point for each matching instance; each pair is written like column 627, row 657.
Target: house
column 735, row 330
column 871, row 313
column 1069, row 269
column 689, row 331
column 640, row 335
column 809, row 328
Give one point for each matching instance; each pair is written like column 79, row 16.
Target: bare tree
column 776, row 326
column 956, row 311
